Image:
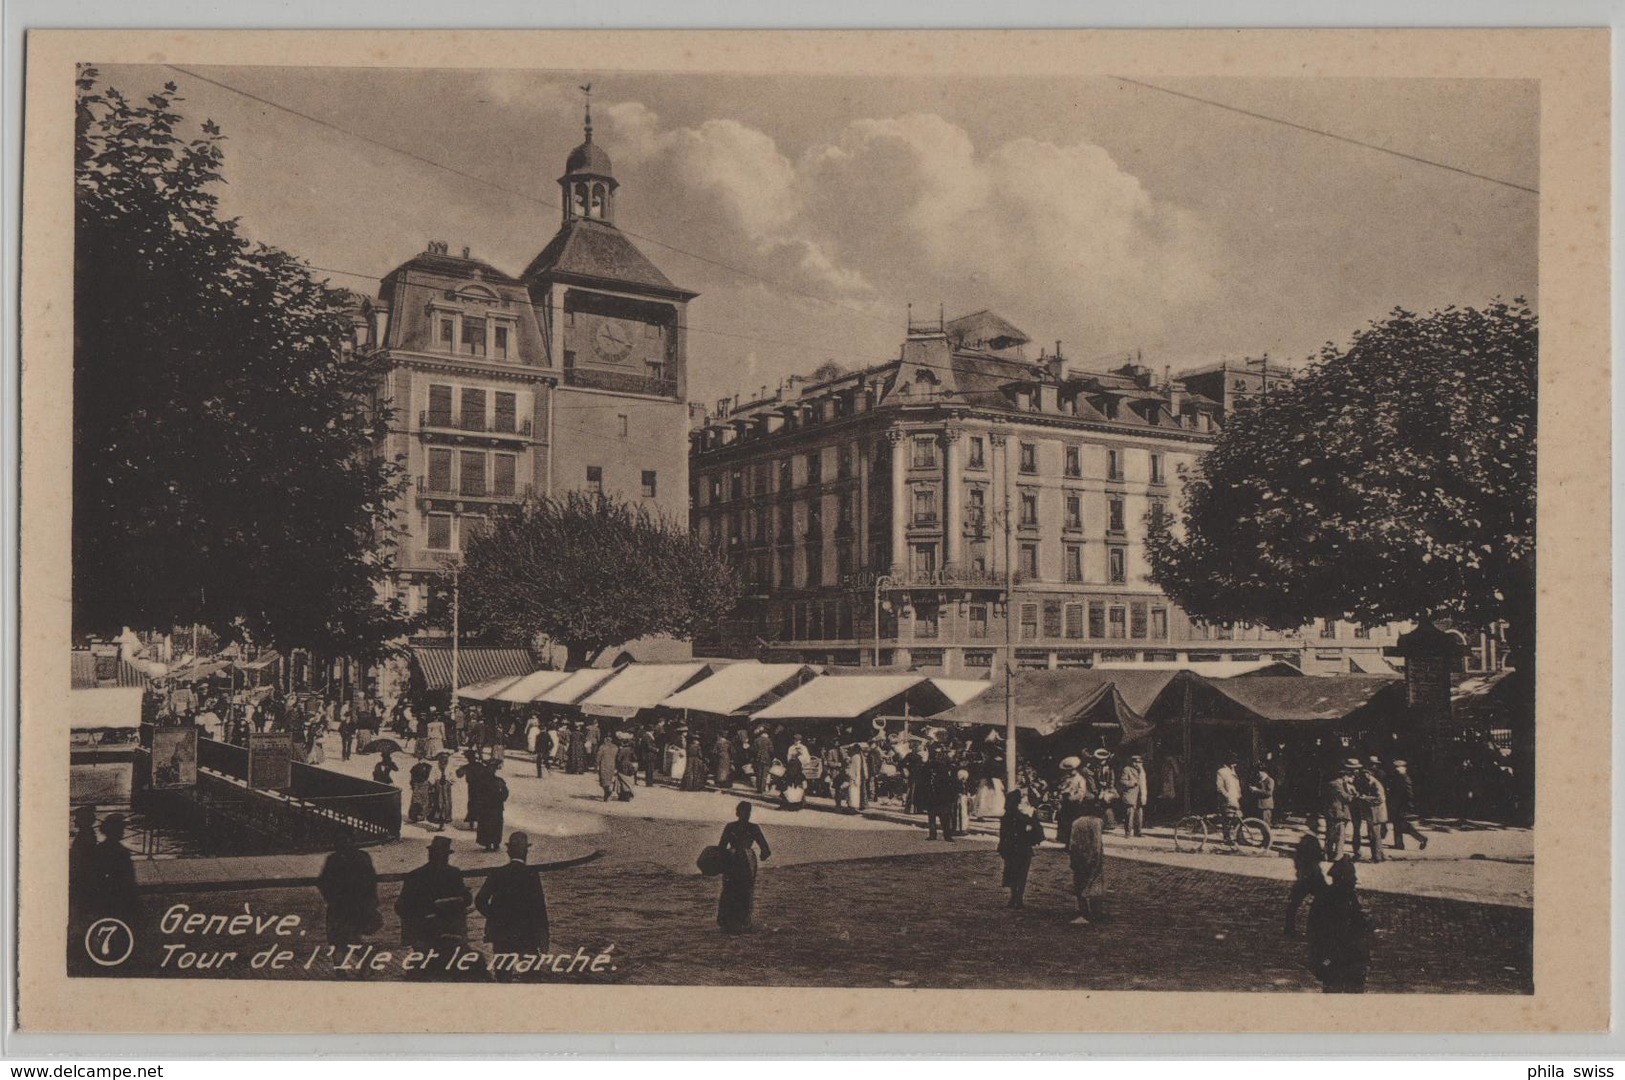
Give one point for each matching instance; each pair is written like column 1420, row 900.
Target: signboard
column 270, row 760
column 1427, row 682
column 174, row 757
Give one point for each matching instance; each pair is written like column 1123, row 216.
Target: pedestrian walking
column 419, row 783
column 1086, row 852
column 439, row 809
column 1337, row 799
column 1019, row 833
column 722, row 761
column 346, row 736
column 1077, row 790
column 1340, row 934
column 1368, row 808
column 1308, row 880
column 605, row 761
column 694, row 764
column 761, row 759
column 348, row 885
column 1227, row 786
column 1402, row 806
column 1131, row 786
column 384, row 772
column 515, row 906
column 494, row 793
column 741, row 839
column 1262, row 791
column 112, row 877
column 575, row 761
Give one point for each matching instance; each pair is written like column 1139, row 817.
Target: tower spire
column 586, row 92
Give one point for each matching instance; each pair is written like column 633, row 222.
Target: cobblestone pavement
column 925, row 915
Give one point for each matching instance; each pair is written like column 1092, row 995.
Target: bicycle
column 1247, row 835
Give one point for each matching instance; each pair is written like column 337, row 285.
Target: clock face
column 611, row 341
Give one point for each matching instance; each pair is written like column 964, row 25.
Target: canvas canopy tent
column 485, row 691
column 641, row 686
column 1046, row 702
column 523, row 690
column 740, row 689
column 835, row 697
column 1345, row 700
column 475, row 664
column 105, row 708
column 575, row 686
column 1208, row 669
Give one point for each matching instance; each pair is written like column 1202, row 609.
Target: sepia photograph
column 596, row 525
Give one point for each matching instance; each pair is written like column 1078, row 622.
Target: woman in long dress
column 439, row 814
column 694, row 766
column 606, row 767
column 1088, row 857
column 849, row 782
column 740, row 839
column 576, row 762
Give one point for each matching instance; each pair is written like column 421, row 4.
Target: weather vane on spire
column 587, row 93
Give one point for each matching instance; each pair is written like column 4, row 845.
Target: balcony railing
column 476, row 425
column 485, row 493
column 625, row 382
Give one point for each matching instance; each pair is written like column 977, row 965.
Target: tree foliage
column 591, row 573
column 1392, row 480
column 223, row 471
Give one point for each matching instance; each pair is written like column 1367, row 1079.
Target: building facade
column 571, row 376
column 878, row 516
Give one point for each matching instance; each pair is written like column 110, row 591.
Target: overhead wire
column 774, row 283
column 1328, row 134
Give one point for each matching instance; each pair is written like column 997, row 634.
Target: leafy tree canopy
column 223, row 471
column 1392, row 480
column 592, row 573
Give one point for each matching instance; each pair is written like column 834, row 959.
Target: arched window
column 581, row 200
column 598, row 201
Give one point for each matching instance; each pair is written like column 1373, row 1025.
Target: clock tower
column 613, row 321
column 614, row 343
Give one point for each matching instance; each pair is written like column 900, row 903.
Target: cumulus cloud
column 1057, row 235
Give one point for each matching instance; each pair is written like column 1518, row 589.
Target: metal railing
column 365, row 808
column 475, row 424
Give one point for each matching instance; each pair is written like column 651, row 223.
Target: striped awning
column 475, row 664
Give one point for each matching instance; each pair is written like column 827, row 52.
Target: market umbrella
column 378, row 746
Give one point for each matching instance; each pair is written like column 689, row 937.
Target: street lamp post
column 884, row 581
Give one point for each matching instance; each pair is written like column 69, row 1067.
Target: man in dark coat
column 433, row 904
column 113, row 877
column 761, row 758
column 1402, row 806
column 648, row 757
column 349, row 886
column 1337, row 800
column 515, row 906
column 934, row 792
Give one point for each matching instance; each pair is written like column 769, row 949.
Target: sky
column 809, row 212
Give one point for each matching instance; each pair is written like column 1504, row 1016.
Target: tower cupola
column 588, row 184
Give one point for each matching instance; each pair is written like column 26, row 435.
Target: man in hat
column 82, row 866
column 1227, row 785
column 1131, row 786
column 761, row 760
column 1262, row 790
column 433, row 904
column 113, row 876
column 515, row 907
column 1370, row 811
column 1077, row 793
column 348, row 885
column 1337, row 800
column 1105, row 780
column 1402, row 806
